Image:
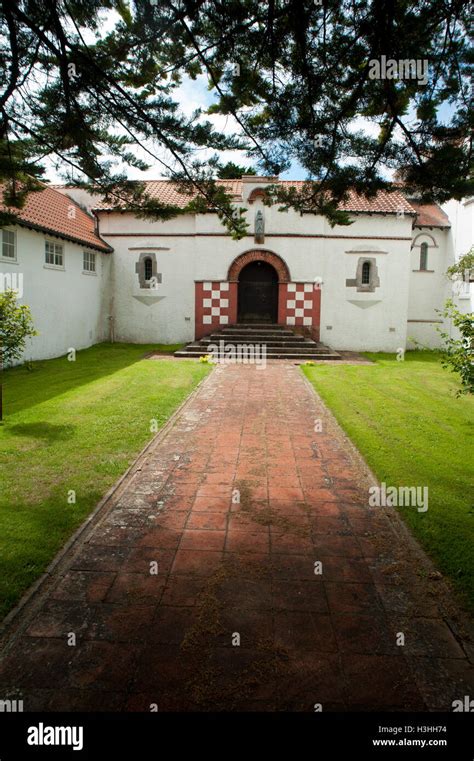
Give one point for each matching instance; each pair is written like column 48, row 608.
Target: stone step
column 277, row 355
column 199, row 349
column 280, row 343
column 285, row 348
column 242, row 332
column 260, row 332
column 256, row 326
column 269, row 340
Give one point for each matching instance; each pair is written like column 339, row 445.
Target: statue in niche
column 259, row 227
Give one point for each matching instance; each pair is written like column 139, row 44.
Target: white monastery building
column 92, row 273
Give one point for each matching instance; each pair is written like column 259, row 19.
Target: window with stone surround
column 147, row 270
column 367, row 276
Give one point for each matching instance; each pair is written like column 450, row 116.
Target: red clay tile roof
column 429, row 215
column 384, row 202
column 167, row 192
column 50, row 211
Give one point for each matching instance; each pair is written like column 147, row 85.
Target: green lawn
column 412, row 430
column 74, row 426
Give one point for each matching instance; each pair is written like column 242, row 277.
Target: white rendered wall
column 197, row 248
column 461, row 216
column 69, row 308
column 429, row 289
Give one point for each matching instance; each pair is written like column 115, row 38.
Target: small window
column 366, row 273
column 148, row 265
column 424, row 256
column 54, row 254
column 8, row 244
column 89, row 261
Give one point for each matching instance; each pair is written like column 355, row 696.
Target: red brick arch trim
column 257, row 193
column 256, row 255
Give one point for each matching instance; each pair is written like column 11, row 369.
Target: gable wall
column 191, row 249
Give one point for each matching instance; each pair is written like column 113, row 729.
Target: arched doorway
column 258, row 293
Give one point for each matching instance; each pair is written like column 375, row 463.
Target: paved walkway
column 236, row 617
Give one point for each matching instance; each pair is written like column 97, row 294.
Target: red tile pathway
column 235, row 507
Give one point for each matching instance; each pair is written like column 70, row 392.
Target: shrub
column 458, row 353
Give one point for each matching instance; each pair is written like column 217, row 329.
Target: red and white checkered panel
column 299, row 303
column 215, row 303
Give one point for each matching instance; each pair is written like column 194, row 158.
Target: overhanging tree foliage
column 298, row 80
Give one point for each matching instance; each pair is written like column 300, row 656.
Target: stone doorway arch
column 276, row 263
column 259, row 255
